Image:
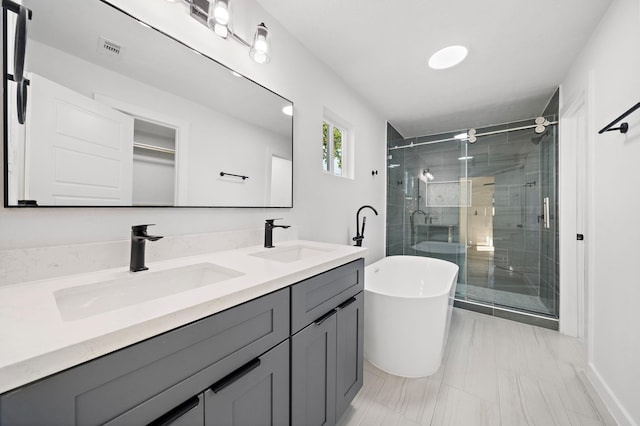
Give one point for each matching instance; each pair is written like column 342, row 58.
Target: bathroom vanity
column 285, row 350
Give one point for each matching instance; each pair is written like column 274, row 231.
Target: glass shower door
column 482, row 206
column 510, row 248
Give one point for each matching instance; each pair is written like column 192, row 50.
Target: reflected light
column 461, row 136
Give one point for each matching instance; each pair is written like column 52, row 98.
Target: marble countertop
column 36, row 341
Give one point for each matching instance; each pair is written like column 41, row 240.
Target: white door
column 281, row 175
column 78, row 151
column 574, row 181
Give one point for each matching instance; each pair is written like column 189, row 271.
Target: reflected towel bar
column 624, row 127
column 231, row 174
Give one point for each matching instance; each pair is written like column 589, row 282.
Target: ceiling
column 519, row 52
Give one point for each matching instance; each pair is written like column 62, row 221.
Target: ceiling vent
column 109, row 47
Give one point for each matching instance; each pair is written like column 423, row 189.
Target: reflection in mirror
column 120, row 114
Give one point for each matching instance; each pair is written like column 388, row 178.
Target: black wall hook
column 374, row 172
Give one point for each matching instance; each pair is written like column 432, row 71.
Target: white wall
column 324, row 206
column 607, row 75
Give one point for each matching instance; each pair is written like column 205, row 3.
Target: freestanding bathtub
column 408, row 306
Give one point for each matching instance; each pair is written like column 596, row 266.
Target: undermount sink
column 289, row 254
column 87, row 300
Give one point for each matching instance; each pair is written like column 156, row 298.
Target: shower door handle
column 547, row 223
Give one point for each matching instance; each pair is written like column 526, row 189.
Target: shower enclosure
column 487, row 203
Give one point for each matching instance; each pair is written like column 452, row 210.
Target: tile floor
column 494, row 372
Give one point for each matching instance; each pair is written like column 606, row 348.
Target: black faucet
column 268, row 232
column 360, row 232
column 138, row 238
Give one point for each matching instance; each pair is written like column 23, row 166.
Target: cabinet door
column 313, row 373
column 255, row 394
column 350, row 346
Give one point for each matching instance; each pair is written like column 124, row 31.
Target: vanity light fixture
column 260, row 48
column 216, row 14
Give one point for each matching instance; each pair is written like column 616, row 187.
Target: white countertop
column 36, row 342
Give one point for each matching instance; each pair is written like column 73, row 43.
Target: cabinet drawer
column 314, row 297
column 103, row 389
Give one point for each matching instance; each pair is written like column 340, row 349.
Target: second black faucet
column 138, row 237
column 268, row 232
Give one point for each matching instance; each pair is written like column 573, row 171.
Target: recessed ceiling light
column 448, row 57
column 288, row 110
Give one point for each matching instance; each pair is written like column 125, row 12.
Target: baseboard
column 621, row 416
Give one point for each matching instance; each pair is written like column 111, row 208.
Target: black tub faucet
column 268, row 232
column 138, row 237
column 360, row 232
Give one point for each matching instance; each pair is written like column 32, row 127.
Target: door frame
column 182, row 139
column 575, row 185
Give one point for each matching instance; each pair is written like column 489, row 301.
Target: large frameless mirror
column 107, row 111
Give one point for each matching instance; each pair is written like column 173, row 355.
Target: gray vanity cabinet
column 255, row 394
column 293, row 356
column 327, row 354
column 138, row 384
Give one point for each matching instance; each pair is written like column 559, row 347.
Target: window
column 333, row 148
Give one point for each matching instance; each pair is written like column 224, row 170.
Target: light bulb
column 261, row 44
column 259, row 57
column 220, row 11
column 260, row 47
column 221, row 30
